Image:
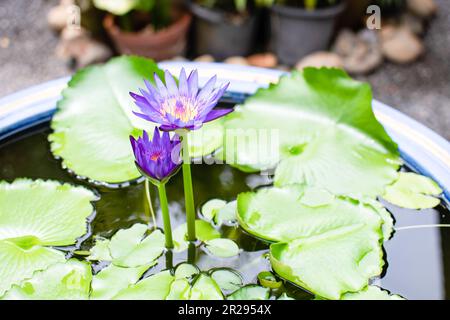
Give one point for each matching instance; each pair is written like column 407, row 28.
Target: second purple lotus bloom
column 159, row 158
column 180, row 107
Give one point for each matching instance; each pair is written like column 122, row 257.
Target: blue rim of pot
column 319, row 13
column 422, row 149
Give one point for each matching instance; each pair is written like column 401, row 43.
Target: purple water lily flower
column 159, row 158
column 180, row 107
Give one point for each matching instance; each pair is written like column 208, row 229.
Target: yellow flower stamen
column 180, row 108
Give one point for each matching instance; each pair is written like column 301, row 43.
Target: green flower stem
column 165, row 215
column 169, row 259
column 188, row 190
column 192, row 253
column 149, row 202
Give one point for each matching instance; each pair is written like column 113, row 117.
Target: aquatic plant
column 319, row 221
column 158, row 160
column 182, row 107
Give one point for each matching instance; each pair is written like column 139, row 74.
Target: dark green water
column 418, row 260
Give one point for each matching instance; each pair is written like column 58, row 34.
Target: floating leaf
column 321, row 124
column 227, row 279
column 33, row 215
column 211, row 208
column 155, row 287
column 129, row 248
column 331, row 264
column 279, row 214
column 92, row 124
column 95, row 119
column 250, row 292
column 388, row 221
column 62, row 281
column 46, row 212
column 179, row 290
column 226, row 214
column 186, row 270
column 205, row 288
column 315, row 197
column 413, row 191
column 17, row 264
column 222, row 248
column 371, row 293
column 111, row 280
column 100, row 252
column 204, row 232
column 206, row 140
column 268, row 280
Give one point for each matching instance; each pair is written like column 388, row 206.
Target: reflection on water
column 416, row 255
column 418, row 259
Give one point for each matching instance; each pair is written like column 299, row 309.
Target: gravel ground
column 421, row 90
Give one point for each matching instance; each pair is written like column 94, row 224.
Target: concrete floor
column 421, row 90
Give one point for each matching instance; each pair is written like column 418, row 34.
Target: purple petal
column 161, row 87
column 137, row 98
column 217, row 113
column 151, row 89
column 193, row 83
column 156, row 137
column 133, row 144
column 148, row 117
column 168, row 127
column 171, row 84
column 165, row 141
column 145, row 136
column 183, row 84
column 207, row 89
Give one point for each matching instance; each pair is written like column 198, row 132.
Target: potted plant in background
column 152, row 28
column 300, row 27
column 225, row 28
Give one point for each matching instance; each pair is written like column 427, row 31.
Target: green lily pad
column 250, row 292
column 186, row 270
column 279, row 214
column 371, row 293
column 111, row 280
column 333, row 263
column 222, row 248
column 413, row 191
column 62, row 281
column 155, row 287
column 205, row 288
column 211, row 208
column 227, row 279
column 327, row 134
column 95, row 119
column 100, row 252
column 179, row 290
column 204, row 232
column 207, row 139
column 34, row 215
column 268, row 280
column 130, row 248
column 17, row 264
column 92, row 124
column 226, row 214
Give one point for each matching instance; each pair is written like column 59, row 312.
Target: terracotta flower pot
column 160, row 45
